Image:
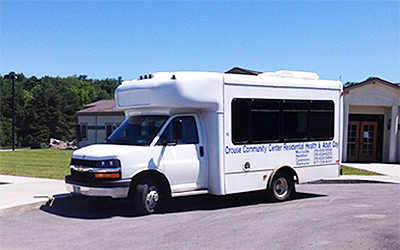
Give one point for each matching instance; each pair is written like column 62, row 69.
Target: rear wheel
column 282, row 187
column 147, row 196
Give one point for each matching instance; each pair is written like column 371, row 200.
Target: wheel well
column 285, row 169
column 158, row 177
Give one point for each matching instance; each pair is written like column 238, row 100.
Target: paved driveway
column 322, row 216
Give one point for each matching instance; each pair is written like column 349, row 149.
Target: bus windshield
column 137, row 130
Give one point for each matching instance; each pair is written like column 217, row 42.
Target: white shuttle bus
column 190, row 133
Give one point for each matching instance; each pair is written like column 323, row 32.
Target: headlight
column 109, row 164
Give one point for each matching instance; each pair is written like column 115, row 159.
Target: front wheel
column 282, row 187
column 147, row 196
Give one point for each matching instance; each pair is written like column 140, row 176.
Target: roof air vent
column 293, row 74
column 144, row 77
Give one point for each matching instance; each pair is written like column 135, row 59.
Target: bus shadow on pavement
column 80, row 208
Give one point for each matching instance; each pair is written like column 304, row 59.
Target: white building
column 371, row 122
column 97, row 121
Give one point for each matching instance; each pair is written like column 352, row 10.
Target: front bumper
column 115, row 189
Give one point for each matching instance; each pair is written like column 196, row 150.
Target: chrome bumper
column 113, row 192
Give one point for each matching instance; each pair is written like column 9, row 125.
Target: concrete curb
column 23, row 207
column 357, row 179
column 20, row 194
column 348, row 181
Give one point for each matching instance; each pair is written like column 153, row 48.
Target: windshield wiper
column 119, row 141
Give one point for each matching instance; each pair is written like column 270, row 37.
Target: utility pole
column 11, row 77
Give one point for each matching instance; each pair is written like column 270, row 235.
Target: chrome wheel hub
column 152, row 198
column 281, row 187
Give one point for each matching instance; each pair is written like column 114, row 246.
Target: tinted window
column 137, row 130
column 265, row 119
column 294, row 120
column 321, row 120
column 240, row 121
column 189, row 132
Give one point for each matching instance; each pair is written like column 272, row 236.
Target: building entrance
column 364, row 139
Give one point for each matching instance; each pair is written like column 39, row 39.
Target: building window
column 109, row 130
column 84, row 129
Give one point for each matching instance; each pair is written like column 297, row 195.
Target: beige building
column 371, row 122
column 97, row 121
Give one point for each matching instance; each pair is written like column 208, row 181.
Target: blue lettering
column 289, row 147
column 229, row 150
column 254, row 149
column 326, row 145
column 272, row 148
column 311, row 145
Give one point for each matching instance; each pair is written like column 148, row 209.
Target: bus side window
column 321, row 120
column 265, row 120
column 295, row 120
column 240, row 121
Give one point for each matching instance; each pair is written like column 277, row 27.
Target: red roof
column 102, row 107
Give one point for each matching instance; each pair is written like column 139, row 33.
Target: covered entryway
column 371, row 122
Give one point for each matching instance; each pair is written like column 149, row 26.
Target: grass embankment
column 43, row 163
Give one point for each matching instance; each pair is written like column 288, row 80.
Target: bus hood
column 105, row 151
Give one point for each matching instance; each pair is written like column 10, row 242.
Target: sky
column 106, row 39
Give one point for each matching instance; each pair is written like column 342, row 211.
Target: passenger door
column 368, row 141
column 183, row 155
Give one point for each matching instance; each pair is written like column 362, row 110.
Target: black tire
column 146, row 197
column 282, row 187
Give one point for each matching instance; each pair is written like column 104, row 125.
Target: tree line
column 45, row 107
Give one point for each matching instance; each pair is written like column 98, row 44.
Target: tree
column 45, row 108
column 348, row 84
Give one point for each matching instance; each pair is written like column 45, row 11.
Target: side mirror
column 177, row 130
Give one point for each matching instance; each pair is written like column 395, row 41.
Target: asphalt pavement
column 25, row 193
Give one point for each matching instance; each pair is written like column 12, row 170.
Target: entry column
column 345, row 132
column 393, row 133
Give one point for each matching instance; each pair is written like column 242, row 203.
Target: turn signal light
column 107, row 175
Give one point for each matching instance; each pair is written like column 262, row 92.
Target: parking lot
column 321, row 216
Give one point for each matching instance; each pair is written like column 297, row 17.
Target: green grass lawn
column 43, row 163
column 353, row 171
